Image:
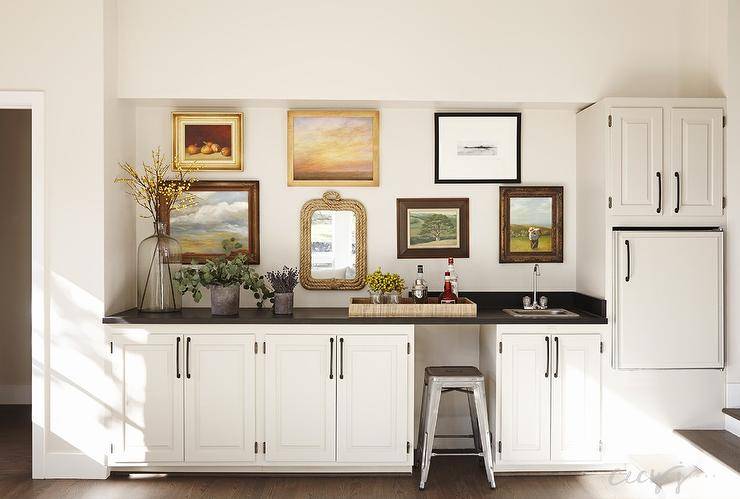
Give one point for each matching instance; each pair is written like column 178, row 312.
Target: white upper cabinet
column 300, row 398
column 219, row 398
column 525, row 397
column 372, row 399
column 576, row 397
column 636, row 160
column 148, row 370
column 696, row 161
column 669, row 303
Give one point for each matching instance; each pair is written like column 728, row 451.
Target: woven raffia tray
column 361, row 307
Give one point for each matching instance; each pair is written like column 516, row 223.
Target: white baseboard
column 15, row 394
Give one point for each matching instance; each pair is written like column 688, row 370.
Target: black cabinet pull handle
column 341, row 358
column 557, row 358
column 627, row 243
column 547, row 365
column 660, row 192
column 177, row 358
column 187, row 358
column 678, row 192
column 331, row 358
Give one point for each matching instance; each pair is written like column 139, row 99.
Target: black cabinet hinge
column 111, row 448
column 724, row 121
column 601, row 347
column 724, row 202
column 264, row 448
column 256, row 448
column 499, row 446
column 600, row 446
column 408, row 447
column 264, row 347
column 408, row 348
column 500, row 347
column 609, row 121
column 111, row 347
column 256, row 348
column 610, row 202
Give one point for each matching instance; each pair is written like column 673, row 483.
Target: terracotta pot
column 225, row 300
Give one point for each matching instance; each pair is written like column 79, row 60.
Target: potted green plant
column 224, row 276
column 283, row 283
column 385, row 288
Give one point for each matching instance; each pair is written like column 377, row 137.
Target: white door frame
column 34, row 101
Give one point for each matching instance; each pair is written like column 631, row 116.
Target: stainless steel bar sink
column 544, row 313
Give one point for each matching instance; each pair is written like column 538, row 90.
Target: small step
column 733, row 413
column 719, row 444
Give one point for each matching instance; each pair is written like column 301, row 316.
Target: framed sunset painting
column 207, row 141
column 224, row 209
column 333, row 148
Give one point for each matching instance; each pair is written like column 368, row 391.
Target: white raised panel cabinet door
column 300, row 398
column 576, row 398
column 372, row 388
column 636, row 161
column 669, row 297
column 525, row 397
column 149, row 408
column 219, row 397
column 696, row 162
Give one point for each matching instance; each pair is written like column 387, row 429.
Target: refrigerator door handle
column 627, row 243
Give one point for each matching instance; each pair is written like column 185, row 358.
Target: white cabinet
column 696, row 161
column 550, row 398
column 149, row 406
column 576, row 388
column 525, row 398
column 636, row 160
column 300, row 397
column 219, row 398
column 669, row 303
column 372, row 399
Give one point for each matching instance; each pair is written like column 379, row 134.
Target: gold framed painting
column 210, row 141
column 333, row 148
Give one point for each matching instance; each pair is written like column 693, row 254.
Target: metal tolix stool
column 466, row 379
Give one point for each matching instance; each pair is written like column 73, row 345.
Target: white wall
column 468, row 50
column 406, row 170
column 15, row 252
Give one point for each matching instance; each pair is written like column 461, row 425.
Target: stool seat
column 443, row 379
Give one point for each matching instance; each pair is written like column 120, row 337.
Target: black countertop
column 490, row 305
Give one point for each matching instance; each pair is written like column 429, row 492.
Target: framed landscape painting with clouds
column 432, row 227
column 225, row 209
column 531, row 225
column 333, row 148
column 208, row 141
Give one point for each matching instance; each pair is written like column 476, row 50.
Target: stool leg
column 474, row 422
column 430, row 426
column 480, row 403
column 422, row 421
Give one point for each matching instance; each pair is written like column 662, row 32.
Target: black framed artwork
column 477, row 148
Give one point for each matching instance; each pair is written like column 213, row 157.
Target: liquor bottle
column 448, row 296
column 420, row 291
column 453, row 276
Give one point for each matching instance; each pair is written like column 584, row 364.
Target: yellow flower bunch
column 385, row 283
column 157, row 192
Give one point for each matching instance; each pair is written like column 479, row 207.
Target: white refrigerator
column 668, row 298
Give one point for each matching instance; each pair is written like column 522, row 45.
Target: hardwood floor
column 449, row 477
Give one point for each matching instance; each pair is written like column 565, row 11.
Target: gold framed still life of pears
column 207, row 141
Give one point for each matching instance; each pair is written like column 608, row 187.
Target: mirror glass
column 333, row 244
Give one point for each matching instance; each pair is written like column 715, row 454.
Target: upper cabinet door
column 696, row 162
column 372, row 403
column 219, row 398
column 525, row 397
column 300, row 398
column 149, row 408
column 576, row 397
column 636, row 161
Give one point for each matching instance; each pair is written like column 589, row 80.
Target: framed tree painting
column 432, row 227
column 333, row 148
column 224, row 209
column 212, row 142
column 531, row 224
column 474, row 148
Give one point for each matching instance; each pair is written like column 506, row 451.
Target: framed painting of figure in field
column 531, row 224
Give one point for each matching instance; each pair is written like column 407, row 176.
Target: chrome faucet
column 535, row 304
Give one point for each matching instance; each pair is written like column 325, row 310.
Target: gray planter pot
column 283, row 304
column 225, row 300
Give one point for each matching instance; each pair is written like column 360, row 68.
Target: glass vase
column 376, row 297
column 159, row 257
column 394, row 297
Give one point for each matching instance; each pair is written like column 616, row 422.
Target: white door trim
column 34, row 100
